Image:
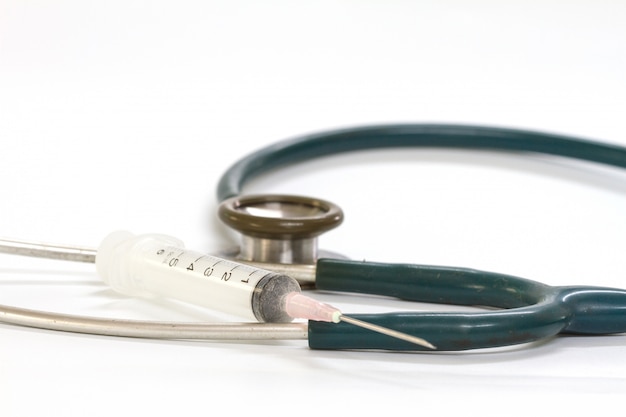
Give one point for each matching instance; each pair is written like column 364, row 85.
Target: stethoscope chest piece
column 279, row 228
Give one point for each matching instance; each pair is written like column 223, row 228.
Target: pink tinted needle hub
column 300, row 306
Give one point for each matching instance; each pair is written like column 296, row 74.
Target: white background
column 123, row 115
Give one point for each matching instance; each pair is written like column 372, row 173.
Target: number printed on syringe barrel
column 159, row 265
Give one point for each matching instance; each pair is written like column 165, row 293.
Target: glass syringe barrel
column 159, row 265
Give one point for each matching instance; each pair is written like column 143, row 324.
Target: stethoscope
column 279, row 233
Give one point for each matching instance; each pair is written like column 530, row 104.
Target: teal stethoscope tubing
column 527, row 310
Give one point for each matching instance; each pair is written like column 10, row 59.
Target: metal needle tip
column 387, row 331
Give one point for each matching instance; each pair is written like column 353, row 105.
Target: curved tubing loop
column 530, row 310
column 411, row 135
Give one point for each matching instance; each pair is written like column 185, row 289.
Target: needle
column 387, row 331
column 303, row 307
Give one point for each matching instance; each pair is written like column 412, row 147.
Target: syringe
column 158, row 265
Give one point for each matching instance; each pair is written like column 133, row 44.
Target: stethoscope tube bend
column 528, row 310
column 312, row 146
